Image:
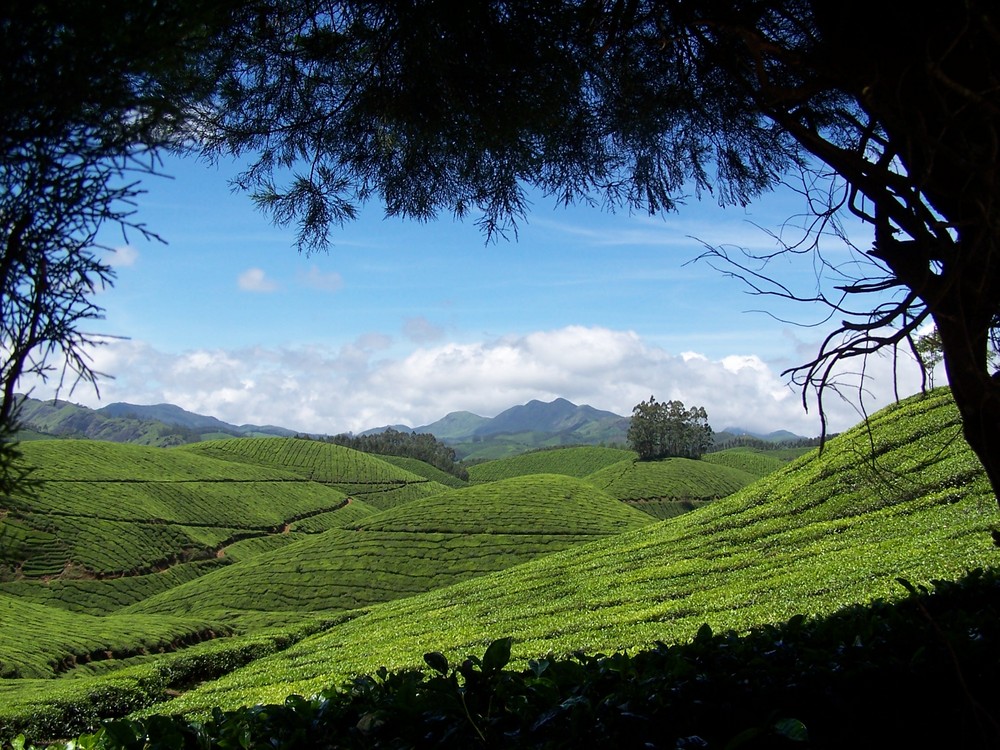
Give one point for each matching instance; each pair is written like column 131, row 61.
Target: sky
column 404, row 322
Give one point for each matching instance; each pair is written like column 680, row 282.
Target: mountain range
column 529, row 426
column 539, row 424
column 558, row 417
column 160, row 424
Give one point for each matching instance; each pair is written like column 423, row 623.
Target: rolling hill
column 426, row 544
column 577, row 461
column 670, row 486
column 106, row 510
column 360, row 475
column 661, row 489
column 902, row 497
column 823, row 533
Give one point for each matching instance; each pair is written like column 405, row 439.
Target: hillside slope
column 360, row 475
column 41, row 642
column 825, row 532
column 107, row 510
column 575, row 461
column 670, row 486
column 426, row 544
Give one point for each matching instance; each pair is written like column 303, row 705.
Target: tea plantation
column 364, row 565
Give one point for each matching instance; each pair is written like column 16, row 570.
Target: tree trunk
column 976, row 393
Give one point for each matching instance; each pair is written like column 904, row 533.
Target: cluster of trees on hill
column 658, row 430
column 420, row 445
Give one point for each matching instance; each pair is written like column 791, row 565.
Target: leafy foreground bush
column 922, row 671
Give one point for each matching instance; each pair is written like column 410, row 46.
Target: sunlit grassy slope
column 905, row 498
column 754, row 462
column 670, row 486
column 661, row 489
column 671, row 478
column 40, row 641
column 577, row 461
column 360, row 475
column 107, row 510
column 425, row 470
column 426, row 544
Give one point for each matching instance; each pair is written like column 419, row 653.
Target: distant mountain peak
column 774, row 437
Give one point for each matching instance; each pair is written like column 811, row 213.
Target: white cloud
column 255, row 280
column 360, row 385
column 122, row 257
column 325, row 282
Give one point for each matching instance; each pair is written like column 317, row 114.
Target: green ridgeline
column 576, row 461
column 755, row 462
column 106, row 510
column 361, row 475
column 828, row 531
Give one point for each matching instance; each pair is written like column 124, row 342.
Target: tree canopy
column 662, row 430
column 460, row 108
column 419, row 445
column 91, row 96
column 440, row 107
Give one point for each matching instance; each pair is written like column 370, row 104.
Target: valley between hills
column 143, row 581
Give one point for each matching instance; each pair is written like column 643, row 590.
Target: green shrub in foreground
column 80, row 704
column 918, row 672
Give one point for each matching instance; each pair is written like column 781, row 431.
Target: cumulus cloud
column 361, row 384
column 255, row 280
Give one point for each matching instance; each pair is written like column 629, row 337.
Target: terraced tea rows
column 232, row 502
column 427, row 544
column 309, row 459
column 100, row 597
column 92, row 460
column 820, row 534
column 577, row 461
column 344, row 570
column 98, row 514
column 42, row 641
column 754, row 462
column 425, row 470
column 534, row 504
column 377, row 482
column 669, row 478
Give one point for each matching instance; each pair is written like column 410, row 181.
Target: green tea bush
column 919, row 672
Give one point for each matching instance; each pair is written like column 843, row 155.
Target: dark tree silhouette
column 456, row 107
column 91, row 96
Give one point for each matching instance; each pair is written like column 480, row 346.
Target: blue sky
column 403, row 322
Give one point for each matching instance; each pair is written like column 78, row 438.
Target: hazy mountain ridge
column 175, row 415
column 161, row 424
column 536, row 424
column 772, row 437
column 539, row 424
